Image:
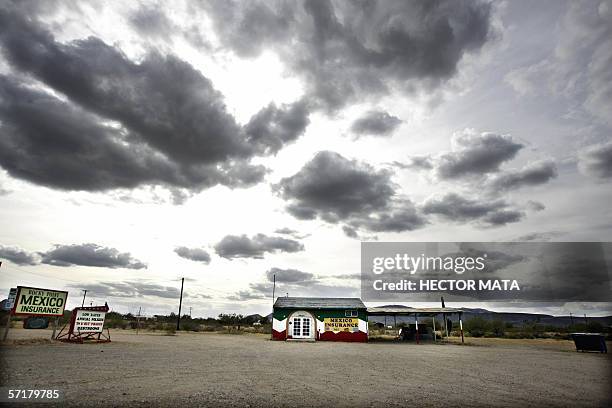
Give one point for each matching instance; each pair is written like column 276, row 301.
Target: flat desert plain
column 204, row 369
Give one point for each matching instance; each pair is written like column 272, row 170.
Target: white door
column 301, row 326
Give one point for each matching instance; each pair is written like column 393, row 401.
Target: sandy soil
column 202, row 369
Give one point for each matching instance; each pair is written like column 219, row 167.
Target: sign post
column 10, row 302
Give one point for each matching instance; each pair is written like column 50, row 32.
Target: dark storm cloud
column 596, row 161
column 273, row 127
column 400, row 216
column 333, row 188
column 68, row 148
column 150, row 21
column 286, row 231
column 503, row 217
column 242, row 295
column 18, row 256
column 476, row 154
column 163, row 99
column 241, row 246
column 539, row 236
column 346, row 49
column 456, row 208
column 530, row 175
column 535, row 205
column 193, row 254
column 336, row 189
column 90, row 255
column 158, row 121
column 375, row 123
column 292, row 233
column 130, row 289
column 292, row 276
column 350, row 232
column 415, row 163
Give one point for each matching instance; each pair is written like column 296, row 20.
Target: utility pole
column 273, row 290
column 190, row 312
column 444, row 317
column 571, row 319
column 84, row 294
column 8, row 321
column 178, row 320
column 138, row 319
column 585, row 323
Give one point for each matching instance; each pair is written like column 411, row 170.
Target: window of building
column 350, row 313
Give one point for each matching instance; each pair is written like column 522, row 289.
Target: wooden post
column 395, row 324
column 273, row 290
column 433, row 319
column 461, row 328
column 8, row 326
column 55, row 324
column 138, row 319
column 444, row 316
column 416, row 323
column 178, row 321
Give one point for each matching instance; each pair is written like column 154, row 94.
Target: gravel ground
column 202, row 369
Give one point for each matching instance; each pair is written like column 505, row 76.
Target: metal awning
column 399, row 311
column 416, row 312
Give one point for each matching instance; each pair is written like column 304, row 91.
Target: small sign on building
column 341, row 324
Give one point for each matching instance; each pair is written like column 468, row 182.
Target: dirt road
column 198, row 369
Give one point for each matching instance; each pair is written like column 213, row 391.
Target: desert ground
column 206, row 369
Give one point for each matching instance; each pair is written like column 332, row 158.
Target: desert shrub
column 170, row 329
column 497, row 328
column 190, row 326
column 232, row 330
column 477, row 326
column 594, row 327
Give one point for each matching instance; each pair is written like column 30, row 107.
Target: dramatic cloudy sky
column 228, row 142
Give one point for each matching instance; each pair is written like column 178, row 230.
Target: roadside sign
column 89, row 320
column 10, row 301
column 86, row 324
column 41, row 302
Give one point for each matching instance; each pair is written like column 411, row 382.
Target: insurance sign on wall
column 339, row 324
column 89, row 321
column 36, row 301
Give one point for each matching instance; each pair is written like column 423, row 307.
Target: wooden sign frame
column 68, row 334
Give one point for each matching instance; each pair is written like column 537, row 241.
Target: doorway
column 301, row 325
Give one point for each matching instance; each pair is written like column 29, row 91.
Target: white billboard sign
column 89, row 321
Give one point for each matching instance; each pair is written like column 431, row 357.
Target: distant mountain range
column 508, row 317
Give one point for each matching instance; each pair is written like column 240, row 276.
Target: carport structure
column 416, row 312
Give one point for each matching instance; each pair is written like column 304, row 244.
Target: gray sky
column 226, row 142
